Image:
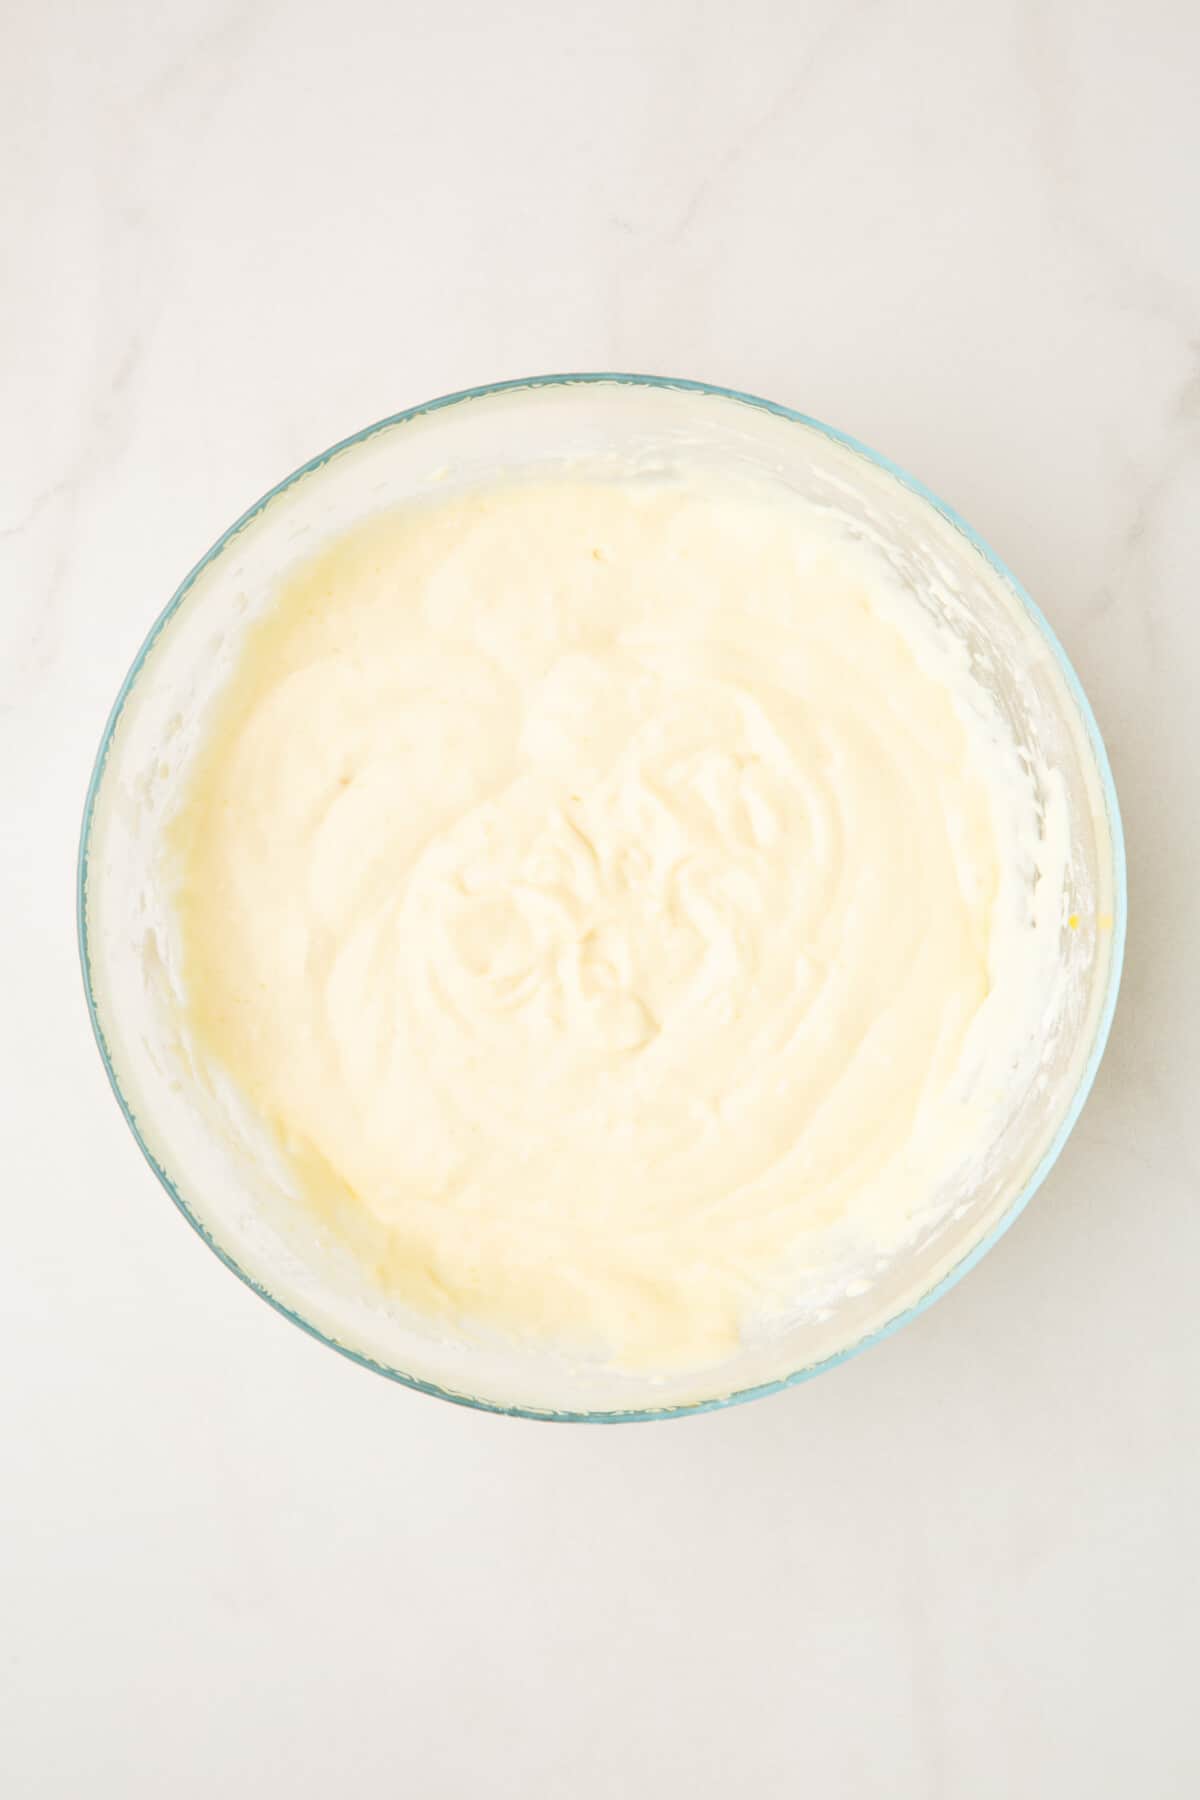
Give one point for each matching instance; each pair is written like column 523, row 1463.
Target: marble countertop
column 964, row 1564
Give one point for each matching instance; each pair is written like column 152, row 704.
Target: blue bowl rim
column 1120, row 900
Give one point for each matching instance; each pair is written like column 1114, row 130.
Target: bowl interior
column 215, row 1161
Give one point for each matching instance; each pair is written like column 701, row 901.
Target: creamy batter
column 616, row 897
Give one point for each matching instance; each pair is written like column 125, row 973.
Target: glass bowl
column 232, row 1187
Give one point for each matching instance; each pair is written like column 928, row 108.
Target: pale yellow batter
column 616, row 898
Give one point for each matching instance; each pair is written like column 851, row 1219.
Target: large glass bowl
column 232, row 1187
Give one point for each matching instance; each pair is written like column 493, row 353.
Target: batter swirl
column 616, row 898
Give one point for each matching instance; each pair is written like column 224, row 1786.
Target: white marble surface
column 966, row 1563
